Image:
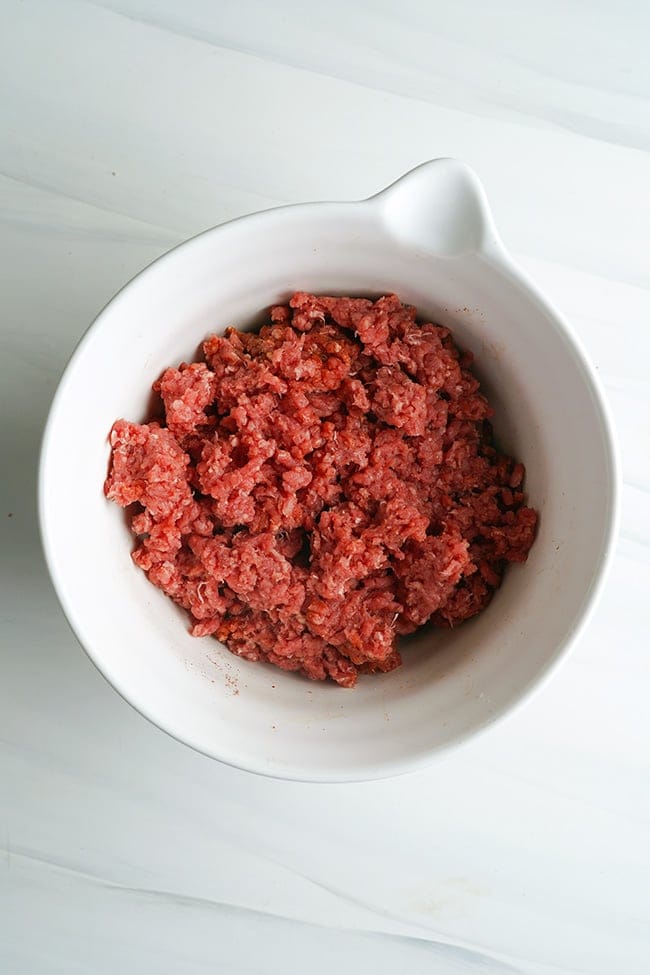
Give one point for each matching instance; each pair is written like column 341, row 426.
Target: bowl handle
column 439, row 208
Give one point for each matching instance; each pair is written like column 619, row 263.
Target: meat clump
column 313, row 490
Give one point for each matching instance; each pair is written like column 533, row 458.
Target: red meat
column 323, row 485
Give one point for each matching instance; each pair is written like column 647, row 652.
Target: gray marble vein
column 414, row 51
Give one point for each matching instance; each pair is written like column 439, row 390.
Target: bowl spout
column 439, row 208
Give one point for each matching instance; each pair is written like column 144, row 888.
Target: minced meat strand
column 313, row 490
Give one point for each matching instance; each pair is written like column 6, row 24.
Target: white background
column 128, row 125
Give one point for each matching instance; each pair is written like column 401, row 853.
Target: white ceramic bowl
column 430, row 238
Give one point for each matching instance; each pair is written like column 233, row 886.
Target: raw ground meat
column 313, row 490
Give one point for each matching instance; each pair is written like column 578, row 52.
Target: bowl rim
column 496, row 253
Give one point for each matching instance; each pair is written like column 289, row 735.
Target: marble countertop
column 129, row 125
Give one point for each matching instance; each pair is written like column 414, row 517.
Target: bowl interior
column 451, row 683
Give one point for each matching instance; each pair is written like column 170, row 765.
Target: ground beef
column 313, row 490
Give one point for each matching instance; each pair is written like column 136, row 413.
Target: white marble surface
column 127, row 125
